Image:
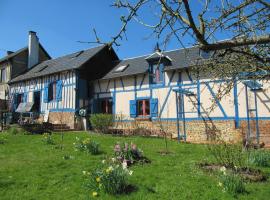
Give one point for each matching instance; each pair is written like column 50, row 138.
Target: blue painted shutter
column 154, row 107
column 46, row 93
column 133, row 109
column 59, row 90
column 25, row 97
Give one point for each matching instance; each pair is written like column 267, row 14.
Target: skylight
column 42, row 68
column 121, row 68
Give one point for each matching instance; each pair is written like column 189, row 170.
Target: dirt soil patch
column 249, row 174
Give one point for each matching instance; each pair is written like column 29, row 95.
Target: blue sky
column 61, row 23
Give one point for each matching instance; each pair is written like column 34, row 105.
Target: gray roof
column 181, row 58
column 68, row 62
column 13, row 54
column 21, row 50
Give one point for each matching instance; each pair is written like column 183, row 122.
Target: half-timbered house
column 157, row 91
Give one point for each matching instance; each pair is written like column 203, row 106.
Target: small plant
column 88, row 145
column 111, row 178
column 92, row 147
column 259, row 158
column 228, row 155
column 78, row 145
column 101, row 122
column 67, row 157
column 231, row 182
column 129, row 154
column 47, row 138
column 3, row 139
column 13, row 131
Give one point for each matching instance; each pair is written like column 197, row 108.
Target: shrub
column 229, row 155
column 47, row 138
column 3, row 139
column 88, row 145
column 78, row 145
column 111, row 178
column 259, row 158
column 231, row 182
column 13, row 131
column 92, row 147
column 101, row 122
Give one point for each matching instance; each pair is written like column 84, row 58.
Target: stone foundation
column 264, row 130
column 67, row 118
column 197, row 131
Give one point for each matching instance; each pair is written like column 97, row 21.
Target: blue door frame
column 254, row 87
column 180, row 112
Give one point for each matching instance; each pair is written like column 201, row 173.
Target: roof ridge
column 13, row 54
column 131, row 58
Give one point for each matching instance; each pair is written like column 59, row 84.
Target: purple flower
column 133, row 147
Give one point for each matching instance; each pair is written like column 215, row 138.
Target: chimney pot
column 9, row 52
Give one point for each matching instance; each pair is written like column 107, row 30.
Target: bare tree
column 203, row 22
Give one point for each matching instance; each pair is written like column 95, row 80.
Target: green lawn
column 30, row 169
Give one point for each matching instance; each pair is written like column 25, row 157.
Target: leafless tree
column 202, row 22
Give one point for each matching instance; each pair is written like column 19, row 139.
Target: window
column 156, row 73
column 3, row 75
column 52, row 91
column 121, row 68
column 18, row 98
column 106, row 106
column 143, row 107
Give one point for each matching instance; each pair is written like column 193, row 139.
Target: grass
column 30, row 169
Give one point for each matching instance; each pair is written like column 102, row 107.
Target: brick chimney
column 33, row 49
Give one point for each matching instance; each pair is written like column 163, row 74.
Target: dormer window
column 156, row 73
column 157, row 61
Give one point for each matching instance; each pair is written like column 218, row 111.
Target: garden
column 88, row 165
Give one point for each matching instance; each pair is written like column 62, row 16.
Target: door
column 36, row 106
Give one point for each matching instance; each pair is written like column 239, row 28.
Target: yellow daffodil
column 98, row 179
column 109, row 169
column 220, row 184
column 94, row 194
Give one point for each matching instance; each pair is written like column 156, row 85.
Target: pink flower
column 117, row 148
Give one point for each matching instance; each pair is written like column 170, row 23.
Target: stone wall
column 264, row 130
column 65, row 118
column 197, row 131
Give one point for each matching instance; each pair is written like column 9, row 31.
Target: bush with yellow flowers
column 110, row 178
column 48, row 139
column 87, row 145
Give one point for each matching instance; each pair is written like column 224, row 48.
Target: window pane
column 140, row 107
column 103, row 106
column 106, row 106
column 147, row 107
column 3, row 75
